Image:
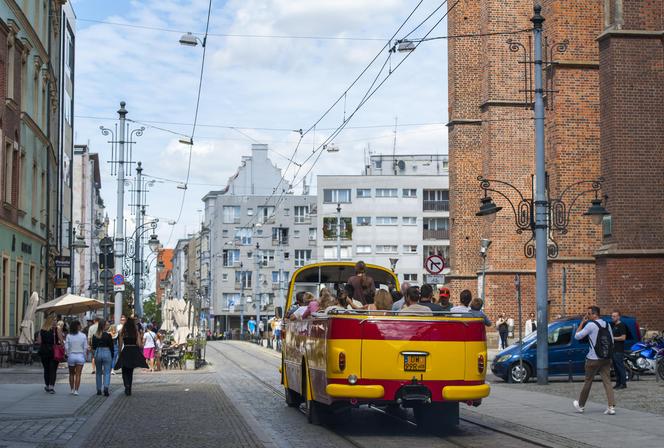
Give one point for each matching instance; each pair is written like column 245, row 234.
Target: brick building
column 165, row 257
column 491, row 133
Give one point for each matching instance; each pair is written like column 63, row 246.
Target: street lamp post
column 135, row 252
column 484, row 249
column 540, row 215
column 78, row 245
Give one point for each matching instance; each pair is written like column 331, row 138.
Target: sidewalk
column 551, row 414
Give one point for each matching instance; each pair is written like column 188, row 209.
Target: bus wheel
column 437, row 417
column 293, row 399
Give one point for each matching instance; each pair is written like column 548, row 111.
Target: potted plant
column 189, row 361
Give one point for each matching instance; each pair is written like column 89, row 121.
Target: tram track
column 535, row 438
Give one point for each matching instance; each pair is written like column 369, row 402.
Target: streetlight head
column 488, row 209
column 484, row 245
column 79, row 245
column 406, row 46
column 393, row 263
column 596, row 211
column 187, row 141
column 153, row 243
column 189, row 40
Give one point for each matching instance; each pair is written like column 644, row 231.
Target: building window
column 7, row 171
column 410, row 248
column 443, row 251
column 386, row 249
column 302, row 214
column 363, row 249
column 266, row 257
column 386, row 220
column 35, row 183
column 409, row 192
column 330, row 253
column 409, row 220
column 230, row 257
column 364, row 192
column 378, row 163
column 4, row 295
column 11, row 60
column 243, row 279
column 607, row 225
column 436, row 200
column 232, row 299
column 231, row 214
column 280, row 235
column 386, row 192
column 302, row 257
column 410, row 277
column 336, row 196
column 243, row 236
column 68, row 106
column 275, row 276
column 363, row 220
column 224, row 277
column 266, row 214
column 436, row 228
column 296, row 233
column 312, row 234
column 330, row 228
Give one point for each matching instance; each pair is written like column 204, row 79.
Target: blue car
column 566, row 354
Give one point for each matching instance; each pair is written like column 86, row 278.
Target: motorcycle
column 641, row 358
column 659, row 361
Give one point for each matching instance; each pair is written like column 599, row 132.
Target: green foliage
column 152, row 311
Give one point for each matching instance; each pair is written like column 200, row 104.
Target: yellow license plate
column 414, row 363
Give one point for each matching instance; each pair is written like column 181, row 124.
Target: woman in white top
column 76, row 346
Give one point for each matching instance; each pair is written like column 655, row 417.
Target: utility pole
column 338, row 231
column 138, row 247
column 541, row 209
column 241, row 301
column 119, row 228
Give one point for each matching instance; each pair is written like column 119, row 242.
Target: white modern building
column 398, row 209
column 259, row 233
column 88, row 216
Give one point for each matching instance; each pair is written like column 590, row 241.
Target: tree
column 151, row 310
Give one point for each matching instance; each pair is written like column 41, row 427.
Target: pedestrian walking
column 104, row 351
column 503, row 329
column 76, row 347
column 131, row 357
column 251, row 326
column 598, row 359
column 531, row 324
column 92, row 329
column 49, row 338
column 619, row 331
column 149, row 346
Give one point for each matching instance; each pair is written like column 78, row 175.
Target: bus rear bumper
column 355, row 391
column 464, row 393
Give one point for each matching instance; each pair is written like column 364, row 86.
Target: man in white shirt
column 465, row 297
column 531, row 324
column 590, row 327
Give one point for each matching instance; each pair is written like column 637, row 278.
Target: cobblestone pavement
column 646, row 395
column 175, row 415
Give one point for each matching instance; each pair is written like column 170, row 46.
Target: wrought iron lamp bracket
column 522, row 210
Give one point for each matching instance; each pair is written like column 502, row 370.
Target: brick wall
column 630, row 264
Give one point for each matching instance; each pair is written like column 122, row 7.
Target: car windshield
column 532, row 336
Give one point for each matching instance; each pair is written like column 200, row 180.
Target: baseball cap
column 445, row 292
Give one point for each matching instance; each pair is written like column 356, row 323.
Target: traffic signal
column 107, row 261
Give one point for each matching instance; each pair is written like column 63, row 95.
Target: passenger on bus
column 444, row 298
column 328, row 303
column 313, row 305
column 398, row 304
column 412, row 307
column 476, row 310
column 465, row 297
column 363, row 284
column 299, row 312
column 383, row 301
column 299, row 301
column 426, row 298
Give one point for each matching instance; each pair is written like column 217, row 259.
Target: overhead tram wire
column 193, row 129
column 329, row 109
column 250, row 36
column 367, row 97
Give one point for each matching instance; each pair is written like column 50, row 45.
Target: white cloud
column 253, row 82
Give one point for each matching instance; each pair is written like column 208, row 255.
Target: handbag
column 58, row 349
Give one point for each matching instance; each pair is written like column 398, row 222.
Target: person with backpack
column 598, row 359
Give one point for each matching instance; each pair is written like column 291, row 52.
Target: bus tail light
column 480, row 363
column 342, row 361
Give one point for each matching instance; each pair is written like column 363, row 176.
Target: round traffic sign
column 118, row 279
column 434, row 264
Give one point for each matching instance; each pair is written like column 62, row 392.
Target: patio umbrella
column 167, row 315
column 71, row 304
column 180, row 314
column 28, row 323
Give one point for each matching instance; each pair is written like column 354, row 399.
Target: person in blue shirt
column 251, row 326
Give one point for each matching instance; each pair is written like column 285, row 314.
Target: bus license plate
column 414, row 363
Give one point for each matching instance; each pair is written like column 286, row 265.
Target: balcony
column 280, row 241
column 303, row 219
column 436, row 206
column 443, row 234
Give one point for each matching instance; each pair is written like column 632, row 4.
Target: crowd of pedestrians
column 108, row 347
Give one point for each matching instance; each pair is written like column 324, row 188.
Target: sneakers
column 578, row 407
column 106, row 394
column 611, row 410
column 75, row 392
column 71, row 392
column 98, row 391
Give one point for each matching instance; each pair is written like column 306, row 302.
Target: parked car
column 566, row 354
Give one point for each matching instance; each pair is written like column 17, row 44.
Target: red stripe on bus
column 403, row 330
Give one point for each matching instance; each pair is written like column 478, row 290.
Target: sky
column 254, row 89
